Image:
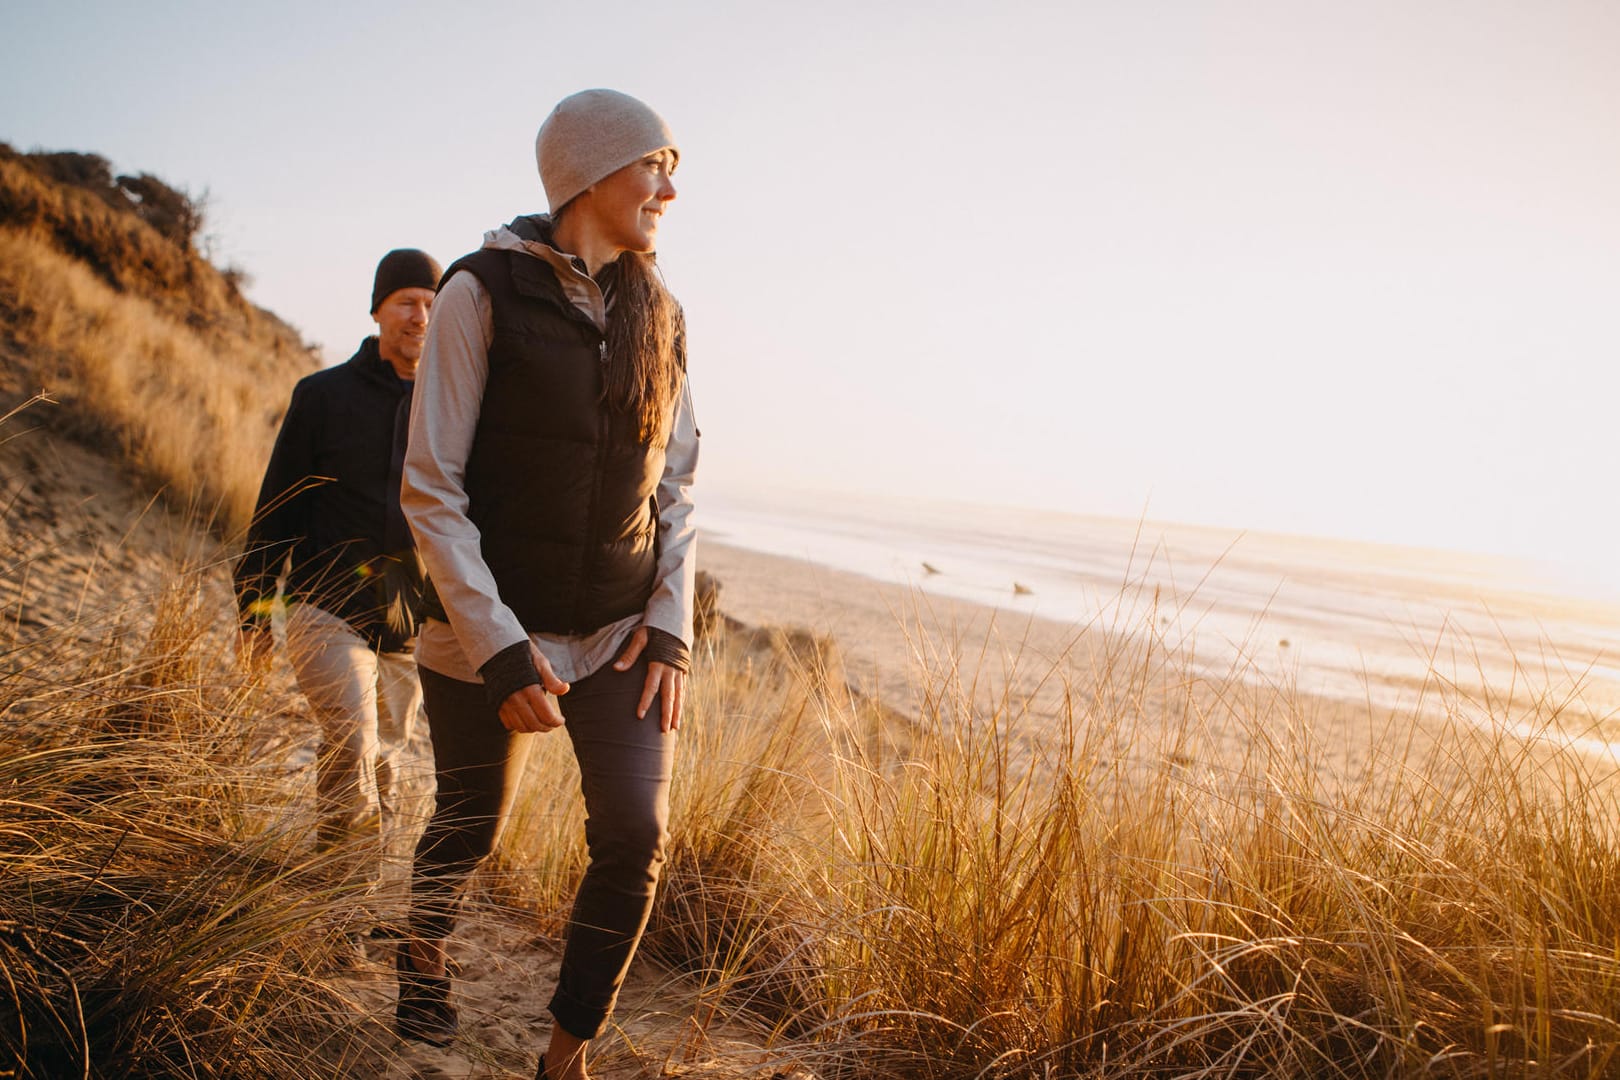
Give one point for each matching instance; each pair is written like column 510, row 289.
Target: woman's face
column 627, row 204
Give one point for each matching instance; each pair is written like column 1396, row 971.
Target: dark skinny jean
column 624, row 766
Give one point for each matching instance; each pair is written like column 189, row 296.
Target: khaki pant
column 366, row 704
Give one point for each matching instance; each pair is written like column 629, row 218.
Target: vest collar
column 531, row 236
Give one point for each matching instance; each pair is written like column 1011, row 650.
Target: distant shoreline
column 891, row 634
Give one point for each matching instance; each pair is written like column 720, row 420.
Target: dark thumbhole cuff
column 507, row 672
column 665, row 648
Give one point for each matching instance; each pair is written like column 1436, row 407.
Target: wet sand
column 1139, row 676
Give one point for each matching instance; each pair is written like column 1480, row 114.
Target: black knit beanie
column 403, row 268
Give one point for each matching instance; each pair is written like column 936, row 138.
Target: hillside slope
column 153, row 357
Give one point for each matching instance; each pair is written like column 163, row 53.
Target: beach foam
column 1394, row 628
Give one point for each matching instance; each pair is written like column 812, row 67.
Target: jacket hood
column 520, row 232
column 531, row 235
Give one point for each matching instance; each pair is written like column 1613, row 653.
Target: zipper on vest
column 593, row 527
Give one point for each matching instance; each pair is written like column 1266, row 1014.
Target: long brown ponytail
column 643, row 371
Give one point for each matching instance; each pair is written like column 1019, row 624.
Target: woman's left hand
column 665, row 683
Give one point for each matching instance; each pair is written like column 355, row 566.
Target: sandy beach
column 1482, row 662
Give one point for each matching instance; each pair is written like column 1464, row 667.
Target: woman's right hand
column 529, row 709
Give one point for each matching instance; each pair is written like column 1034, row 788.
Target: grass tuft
column 162, row 912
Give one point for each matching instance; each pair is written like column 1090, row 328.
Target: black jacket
column 330, row 504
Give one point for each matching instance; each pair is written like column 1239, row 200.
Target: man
column 328, row 520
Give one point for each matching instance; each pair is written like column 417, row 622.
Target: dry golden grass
column 1098, row 909
column 186, row 413
column 875, row 895
column 152, row 353
column 161, row 910
column 70, row 202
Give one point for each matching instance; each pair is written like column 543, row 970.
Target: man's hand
column 529, row 709
column 664, row 682
column 255, row 645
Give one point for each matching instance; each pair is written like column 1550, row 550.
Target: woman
column 547, row 482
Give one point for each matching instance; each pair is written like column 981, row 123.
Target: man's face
column 627, row 204
column 402, row 321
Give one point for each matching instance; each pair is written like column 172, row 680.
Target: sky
column 1338, row 269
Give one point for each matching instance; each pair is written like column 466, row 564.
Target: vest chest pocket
column 543, row 385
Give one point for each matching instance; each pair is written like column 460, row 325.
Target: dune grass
column 152, row 353
column 162, row 912
column 875, row 894
column 190, row 417
column 1164, row 875
column 1106, row 907
column 138, row 235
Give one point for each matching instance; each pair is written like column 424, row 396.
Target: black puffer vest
column 560, row 485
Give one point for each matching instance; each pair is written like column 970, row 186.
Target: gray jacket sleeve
column 670, row 607
column 444, row 415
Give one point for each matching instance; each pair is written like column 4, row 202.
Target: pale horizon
column 1338, row 273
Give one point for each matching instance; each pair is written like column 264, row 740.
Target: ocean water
column 1401, row 628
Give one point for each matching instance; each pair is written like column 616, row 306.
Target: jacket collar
column 368, row 363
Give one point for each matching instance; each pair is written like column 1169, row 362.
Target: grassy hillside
column 151, row 353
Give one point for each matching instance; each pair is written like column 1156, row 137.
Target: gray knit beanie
column 403, row 268
column 592, row 134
